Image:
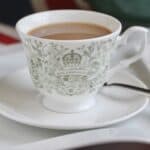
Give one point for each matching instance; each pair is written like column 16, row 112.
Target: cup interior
column 59, row 16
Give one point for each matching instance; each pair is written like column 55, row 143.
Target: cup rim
column 113, row 33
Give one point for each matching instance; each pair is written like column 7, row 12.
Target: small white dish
column 19, row 101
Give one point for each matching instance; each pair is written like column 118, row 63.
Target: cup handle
column 124, row 40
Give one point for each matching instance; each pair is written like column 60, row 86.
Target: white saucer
column 18, row 102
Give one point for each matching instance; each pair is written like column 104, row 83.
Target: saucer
column 19, row 102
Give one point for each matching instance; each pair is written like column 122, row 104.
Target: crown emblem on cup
column 71, row 59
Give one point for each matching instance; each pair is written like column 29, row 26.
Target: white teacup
column 70, row 86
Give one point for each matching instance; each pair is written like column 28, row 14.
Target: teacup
column 72, row 86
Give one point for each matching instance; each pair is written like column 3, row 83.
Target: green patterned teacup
column 69, row 72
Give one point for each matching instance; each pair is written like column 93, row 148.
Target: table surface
column 11, row 133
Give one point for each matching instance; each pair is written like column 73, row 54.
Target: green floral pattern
column 68, row 70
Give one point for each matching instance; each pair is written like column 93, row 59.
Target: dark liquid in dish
column 69, row 31
column 117, row 146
